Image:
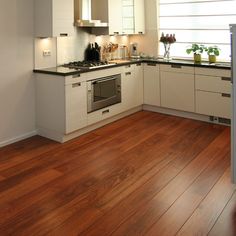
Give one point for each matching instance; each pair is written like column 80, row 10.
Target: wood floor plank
column 173, row 219
column 210, row 208
column 119, row 179
column 123, row 211
column 226, row 223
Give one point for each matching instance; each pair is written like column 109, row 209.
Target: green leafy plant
column 196, row 49
column 212, row 50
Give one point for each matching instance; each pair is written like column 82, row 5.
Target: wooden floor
column 147, row 174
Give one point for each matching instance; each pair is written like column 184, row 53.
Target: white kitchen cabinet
column 61, row 103
column 138, row 70
column 75, row 106
column 177, row 87
column 129, row 87
column 115, row 17
column 151, row 84
column 54, row 18
column 213, row 92
column 139, row 17
column 126, row 17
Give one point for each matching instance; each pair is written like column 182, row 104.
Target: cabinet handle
column 106, row 111
column 176, row 66
column 75, row 76
column 226, row 78
column 63, row 34
column 138, row 64
column 140, row 32
column 226, row 95
column 76, row 85
column 151, row 64
column 116, row 32
column 128, row 73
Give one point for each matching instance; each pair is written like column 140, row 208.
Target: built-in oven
column 103, row 92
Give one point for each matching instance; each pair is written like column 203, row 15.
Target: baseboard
column 173, row 112
column 18, row 138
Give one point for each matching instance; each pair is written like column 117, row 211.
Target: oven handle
column 97, row 81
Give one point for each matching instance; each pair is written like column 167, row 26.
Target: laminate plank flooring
column 146, row 174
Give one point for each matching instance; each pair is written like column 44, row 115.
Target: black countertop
column 62, row 71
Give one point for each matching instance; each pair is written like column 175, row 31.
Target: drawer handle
column 226, row 78
column 128, row 73
column 128, row 66
column 226, row 95
column 176, row 66
column 75, row 76
column 76, row 85
column 63, row 34
column 138, row 64
column 116, row 32
column 140, row 32
column 151, row 64
column 106, row 111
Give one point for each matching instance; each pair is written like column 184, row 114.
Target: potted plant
column 213, row 52
column 197, row 50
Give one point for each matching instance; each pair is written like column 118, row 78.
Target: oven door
column 104, row 92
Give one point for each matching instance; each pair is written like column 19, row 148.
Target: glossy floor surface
column 146, row 174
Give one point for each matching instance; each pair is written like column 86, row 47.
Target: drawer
column 213, row 72
column 177, row 68
column 213, row 83
column 213, row 104
column 104, row 113
column 128, row 68
column 75, row 78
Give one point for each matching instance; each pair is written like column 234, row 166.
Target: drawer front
column 104, row 113
column 213, row 104
column 213, row 84
column 212, row 72
column 128, row 68
column 177, row 68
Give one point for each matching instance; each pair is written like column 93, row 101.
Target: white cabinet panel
column 151, row 84
column 54, row 18
column 139, row 17
column 139, row 83
column 76, row 106
column 115, row 16
column 213, row 104
column 177, row 91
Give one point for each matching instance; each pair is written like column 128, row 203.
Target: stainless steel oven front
column 103, row 92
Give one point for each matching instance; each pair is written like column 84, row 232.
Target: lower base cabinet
column 213, row 104
column 177, row 88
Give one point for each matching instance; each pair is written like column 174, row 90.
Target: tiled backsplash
column 66, row 49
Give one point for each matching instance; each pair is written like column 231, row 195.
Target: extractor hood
column 83, row 15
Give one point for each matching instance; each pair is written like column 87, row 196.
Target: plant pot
column 197, row 58
column 212, row 58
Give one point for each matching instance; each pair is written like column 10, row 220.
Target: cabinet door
column 76, row 106
column 115, row 16
column 139, row 17
column 177, row 91
column 129, row 90
column 63, row 18
column 139, row 83
column 151, row 84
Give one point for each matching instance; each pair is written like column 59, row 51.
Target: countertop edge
column 155, row 61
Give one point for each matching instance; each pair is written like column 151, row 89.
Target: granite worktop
column 63, row 71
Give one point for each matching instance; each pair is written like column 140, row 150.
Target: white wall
column 17, row 95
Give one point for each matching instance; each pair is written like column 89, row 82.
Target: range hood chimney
column 83, row 15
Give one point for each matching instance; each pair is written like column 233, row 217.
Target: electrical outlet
column 46, row 53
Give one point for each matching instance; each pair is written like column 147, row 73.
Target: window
column 197, row 21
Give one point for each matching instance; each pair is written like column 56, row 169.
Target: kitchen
column 20, row 117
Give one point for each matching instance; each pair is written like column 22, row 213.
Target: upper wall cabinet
column 126, row 16
column 54, row 18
